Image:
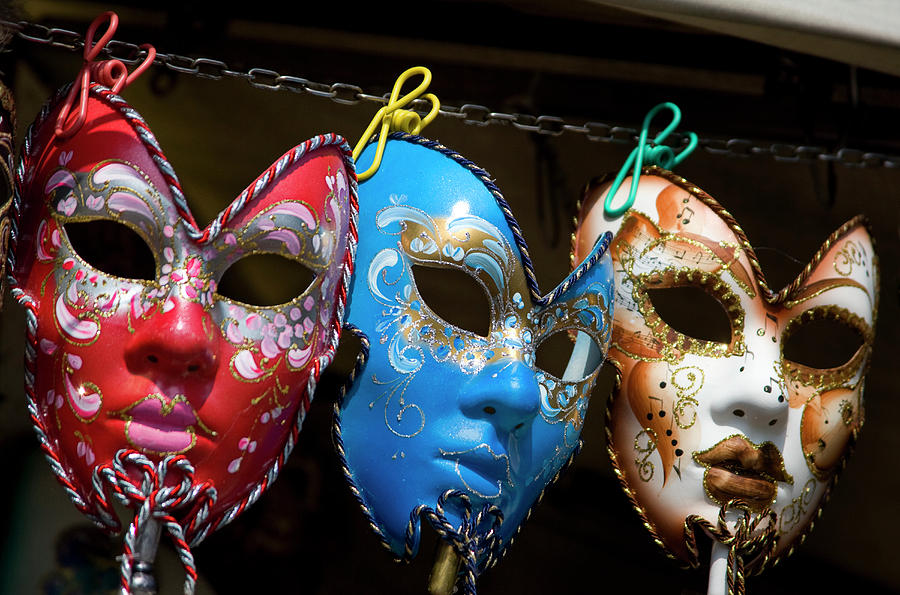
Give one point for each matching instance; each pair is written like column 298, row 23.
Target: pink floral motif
column 83, row 449
column 233, row 332
column 279, row 335
column 190, row 283
column 95, row 203
column 246, row 444
column 337, row 184
column 67, row 205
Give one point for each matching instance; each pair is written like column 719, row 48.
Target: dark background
column 578, row 61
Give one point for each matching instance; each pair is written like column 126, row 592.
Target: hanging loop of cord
column 392, row 117
column 110, row 73
column 648, row 154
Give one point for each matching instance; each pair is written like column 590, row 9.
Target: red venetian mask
column 143, row 384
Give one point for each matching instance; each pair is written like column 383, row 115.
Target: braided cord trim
column 485, row 178
column 769, row 559
column 337, row 438
column 772, row 297
column 692, row 562
column 156, row 496
column 199, row 524
column 474, row 536
column 496, row 549
column 747, row 543
column 198, row 529
column 98, row 511
column 8, row 114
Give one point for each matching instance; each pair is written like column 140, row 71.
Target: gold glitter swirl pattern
column 851, row 254
column 645, row 444
column 686, row 405
column 650, row 345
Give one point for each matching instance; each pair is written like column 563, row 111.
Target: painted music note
column 762, row 331
column 685, row 214
column 649, row 341
column 747, row 353
column 768, row 388
column 677, row 468
column 662, row 411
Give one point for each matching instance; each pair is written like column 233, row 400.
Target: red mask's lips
column 161, row 426
column 736, row 469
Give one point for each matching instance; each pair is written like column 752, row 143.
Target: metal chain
column 469, row 113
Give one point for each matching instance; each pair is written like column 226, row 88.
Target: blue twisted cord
column 495, row 547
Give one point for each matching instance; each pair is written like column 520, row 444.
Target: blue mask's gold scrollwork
column 436, row 407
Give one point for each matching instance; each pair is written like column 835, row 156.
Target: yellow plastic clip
column 393, row 118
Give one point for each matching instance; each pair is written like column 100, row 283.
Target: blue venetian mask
column 434, row 407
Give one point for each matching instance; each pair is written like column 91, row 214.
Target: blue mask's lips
column 479, row 466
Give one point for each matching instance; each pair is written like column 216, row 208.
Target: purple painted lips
column 161, row 426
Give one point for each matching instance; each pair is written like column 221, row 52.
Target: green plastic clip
column 646, row 153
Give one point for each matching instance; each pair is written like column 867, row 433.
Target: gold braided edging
column 768, row 558
column 623, row 483
column 744, row 543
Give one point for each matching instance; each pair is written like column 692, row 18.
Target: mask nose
column 174, row 347
column 753, row 398
column 504, row 393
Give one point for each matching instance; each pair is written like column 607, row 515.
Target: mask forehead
column 454, row 410
column 223, row 383
column 685, row 405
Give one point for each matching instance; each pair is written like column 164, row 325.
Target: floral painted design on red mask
column 165, row 366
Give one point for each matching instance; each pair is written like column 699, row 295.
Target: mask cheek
column 830, row 419
column 667, row 415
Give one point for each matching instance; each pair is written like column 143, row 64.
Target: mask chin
column 712, row 406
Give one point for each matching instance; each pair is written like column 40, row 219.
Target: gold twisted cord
column 747, row 544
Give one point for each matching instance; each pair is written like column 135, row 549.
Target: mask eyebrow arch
column 601, row 247
column 807, row 292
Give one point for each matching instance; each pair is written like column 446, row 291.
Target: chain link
column 469, row 113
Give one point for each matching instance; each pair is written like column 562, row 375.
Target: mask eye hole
column 112, row 247
column 553, row 353
column 562, row 357
column 821, row 343
column 265, row 280
column 693, row 312
column 455, row 296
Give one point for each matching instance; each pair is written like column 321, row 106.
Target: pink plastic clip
column 111, row 73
